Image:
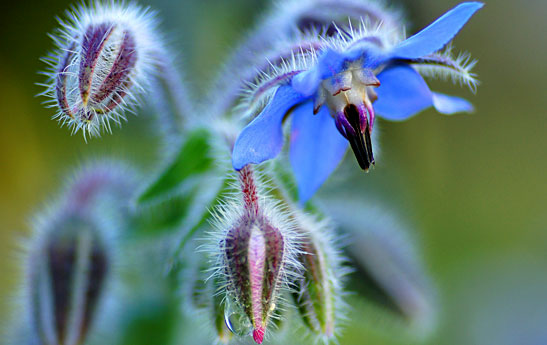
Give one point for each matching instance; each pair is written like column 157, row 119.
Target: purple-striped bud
column 69, row 257
column 254, row 252
column 256, row 255
column 67, row 271
column 318, row 293
column 104, row 59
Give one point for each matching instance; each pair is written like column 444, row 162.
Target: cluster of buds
column 264, row 253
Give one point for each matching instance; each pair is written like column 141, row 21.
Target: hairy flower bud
column 256, row 256
column 318, row 294
column 70, row 256
column 67, row 275
column 104, row 59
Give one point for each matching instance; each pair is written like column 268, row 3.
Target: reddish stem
column 248, row 188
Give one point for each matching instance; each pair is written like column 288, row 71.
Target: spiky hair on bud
column 100, row 181
column 254, row 250
column 68, row 266
column 105, row 54
column 320, row 291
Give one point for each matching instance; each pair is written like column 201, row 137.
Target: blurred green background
column 473, row 186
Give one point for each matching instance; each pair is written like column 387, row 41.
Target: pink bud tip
column 258, row 335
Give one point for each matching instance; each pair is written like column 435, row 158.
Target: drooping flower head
column 102, row 63
column 353, row 76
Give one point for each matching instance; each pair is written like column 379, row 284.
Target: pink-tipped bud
column 254, row 252
column 103, row 62
column 256, row 255
column 258, row 335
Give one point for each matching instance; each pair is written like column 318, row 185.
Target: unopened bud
column 103, row 61
column 69, row 256
column 256, row 255
column 68, row 267
column 318, row 292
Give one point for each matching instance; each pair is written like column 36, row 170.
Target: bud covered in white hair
column 69, row 259
column 256, row 256
column 67, row 276
column 104, row 58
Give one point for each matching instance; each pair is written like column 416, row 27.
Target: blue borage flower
column 289, row 26
column 341, row 81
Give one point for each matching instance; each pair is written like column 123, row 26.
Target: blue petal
column 316, row 148
column 307, row 82
column 329, row 63
column 450, row 104
column 402, row 93
column 332, row 62
column 262, row 139
column 434, row 37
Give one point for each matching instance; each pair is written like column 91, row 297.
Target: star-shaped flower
column 339, row 85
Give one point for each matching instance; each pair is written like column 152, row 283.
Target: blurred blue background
column 473, row 187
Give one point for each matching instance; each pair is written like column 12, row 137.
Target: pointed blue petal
column 316, row 148
column 451, row 104
column 401, row 94
column 262, row 139
column 434, row 37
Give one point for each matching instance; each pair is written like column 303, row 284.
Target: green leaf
column 152, row 321
column 163, row 216
column 193, row 158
